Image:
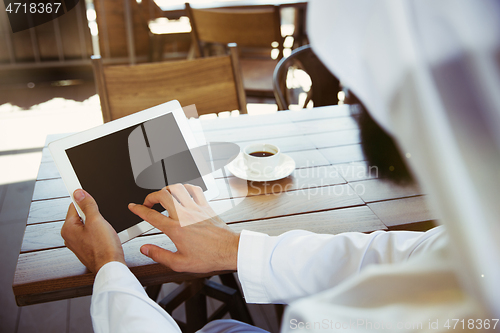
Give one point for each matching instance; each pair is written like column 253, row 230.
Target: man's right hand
column 207, row 245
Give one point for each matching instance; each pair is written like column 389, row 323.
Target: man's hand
column 207, row 245
column 95, row 243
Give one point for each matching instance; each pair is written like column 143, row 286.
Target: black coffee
column 261, row 154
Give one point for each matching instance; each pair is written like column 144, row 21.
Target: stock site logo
column 28, row 14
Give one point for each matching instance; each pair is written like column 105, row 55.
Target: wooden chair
column 61, row 48
column 124, row 35
column 213, row 84
column 194, row 293
column 325, row 86
column 255, row 28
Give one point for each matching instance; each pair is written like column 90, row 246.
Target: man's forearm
column 300, row 263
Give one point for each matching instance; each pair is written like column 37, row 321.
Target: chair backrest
column 325, row 86
column 213, row 84
column 257, row 26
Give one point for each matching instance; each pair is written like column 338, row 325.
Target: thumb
column 86, row 203
column 160, row 255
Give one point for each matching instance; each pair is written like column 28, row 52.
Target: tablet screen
column 104, row 169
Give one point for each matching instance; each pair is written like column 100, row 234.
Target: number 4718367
column 33, row 8
column 471, row 324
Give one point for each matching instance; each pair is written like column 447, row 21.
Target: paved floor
column 22, row 136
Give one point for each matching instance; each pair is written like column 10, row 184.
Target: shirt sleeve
column 299, row 263
column 120, row 304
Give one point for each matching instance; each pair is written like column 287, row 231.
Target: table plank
column 403, row 211
column 356, row 171
column 48, row 170
column 343, row 154
column 327, row 125
column 299, row 179
column 253, row 133
column 42, row 237
column 334, row 139
column 286, row 145
column 46, row 156
column 324, row 112
column 287, row 203
column 308, row 158
column 282, row 130
column 310, row 141
column 378, row 189
column 244, row 121
column 360, row 219
column 49, row 189
column 48, row 210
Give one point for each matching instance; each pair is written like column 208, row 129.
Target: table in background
column 327, row 193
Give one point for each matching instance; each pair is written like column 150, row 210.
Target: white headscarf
column 429, row 72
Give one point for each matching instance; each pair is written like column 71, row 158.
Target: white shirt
column 328, row 279
column 429, row 73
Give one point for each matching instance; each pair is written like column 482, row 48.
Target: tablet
column 126, row 159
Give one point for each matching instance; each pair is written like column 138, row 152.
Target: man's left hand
column 94, row 242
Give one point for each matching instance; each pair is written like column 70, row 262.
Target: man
column 429, row 74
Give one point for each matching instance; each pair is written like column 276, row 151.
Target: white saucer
column 285, row 167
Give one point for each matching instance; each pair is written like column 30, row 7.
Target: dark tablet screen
column 104, row 167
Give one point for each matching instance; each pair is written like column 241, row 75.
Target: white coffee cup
column 261, row 165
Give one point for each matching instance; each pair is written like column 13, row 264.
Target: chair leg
column 153, row 291
column 182, row 293
column 194, row 293
column 196, row 313
column 280, row 310
column 238, row 308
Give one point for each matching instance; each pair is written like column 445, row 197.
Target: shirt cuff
column 115, row 275
column 254, row 252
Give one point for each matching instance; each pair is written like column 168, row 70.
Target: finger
column 162, row 256
column 87, row 203
column 164, row 198
column 182, row 195
column 156, row 219
column 72, row 216
column 72, row 222
column 197, row 193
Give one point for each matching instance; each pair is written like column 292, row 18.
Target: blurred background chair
column 257, row 32
column 125, row 35
column 322, row 90
column 53, row 51
column 213, row 84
